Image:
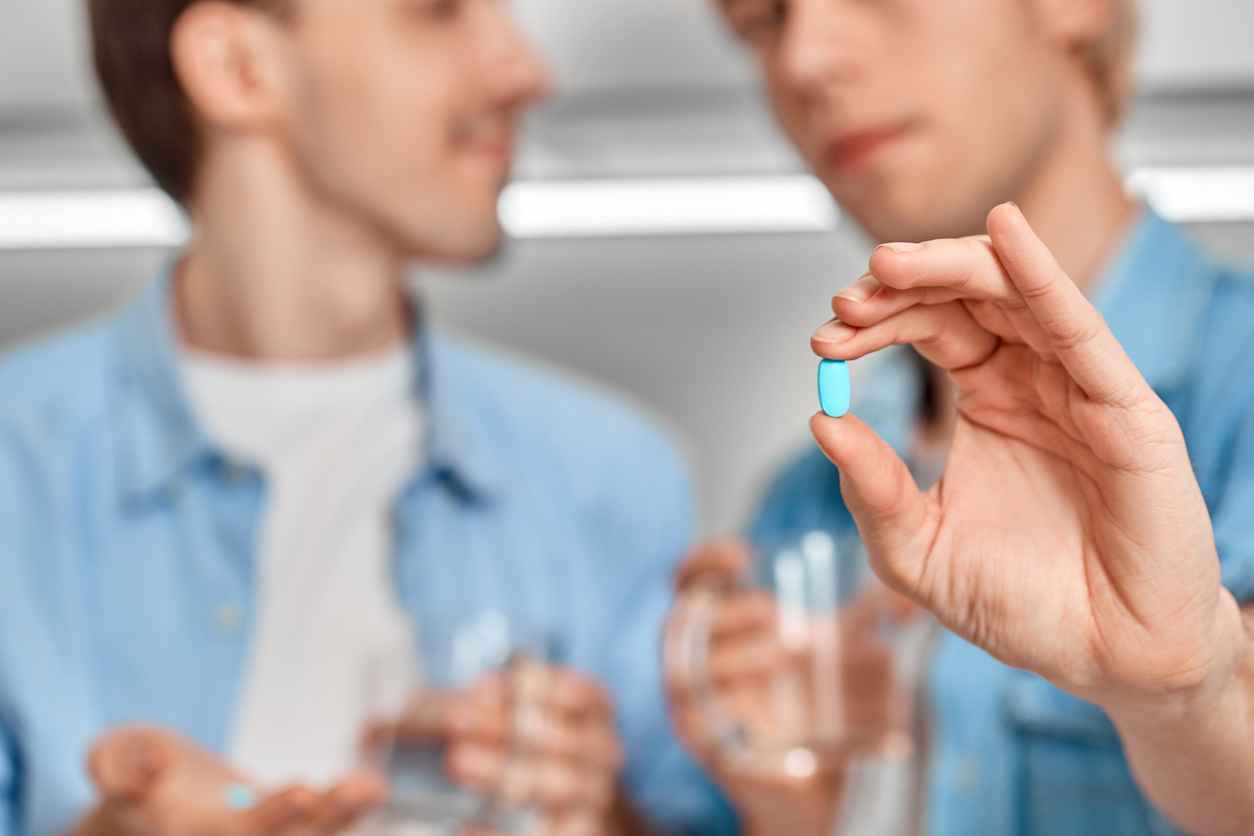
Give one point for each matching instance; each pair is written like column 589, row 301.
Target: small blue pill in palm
column 240, row 797
column 835, row 389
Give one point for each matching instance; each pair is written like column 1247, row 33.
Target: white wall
column 1194, row 43
column 595, row 45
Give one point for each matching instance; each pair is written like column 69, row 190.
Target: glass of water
column 814, row 683
column 455, row 656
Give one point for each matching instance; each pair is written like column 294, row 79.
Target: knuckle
column 1039, row 290
column 1067, row 335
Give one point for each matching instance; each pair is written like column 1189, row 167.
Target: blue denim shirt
column 1010, row 754
column 127, row 548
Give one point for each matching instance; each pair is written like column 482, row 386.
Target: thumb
column 290, row 809
column 126, row 763
column 879, row 491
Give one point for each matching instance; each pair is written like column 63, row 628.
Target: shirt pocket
column 1071, row 775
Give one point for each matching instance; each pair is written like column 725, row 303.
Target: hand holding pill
column 1067, row 535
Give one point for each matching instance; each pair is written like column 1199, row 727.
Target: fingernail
column 1010, row 204
column 861, row 290
column 901, row 247
column 834, row 331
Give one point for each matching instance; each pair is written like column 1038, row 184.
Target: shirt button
column 229, row 619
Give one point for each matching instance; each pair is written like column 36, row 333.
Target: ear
column 1077, row 23
column 228, row 59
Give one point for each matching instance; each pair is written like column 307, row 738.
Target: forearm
column 1193, row 754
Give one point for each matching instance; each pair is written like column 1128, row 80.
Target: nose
column 813, row 53
column 517, row 72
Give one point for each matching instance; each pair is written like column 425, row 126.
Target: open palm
column 1067, row 535
column 153, row 782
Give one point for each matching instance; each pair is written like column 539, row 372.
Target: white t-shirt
column 331, row 647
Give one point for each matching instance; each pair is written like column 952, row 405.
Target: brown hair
column 131, row 50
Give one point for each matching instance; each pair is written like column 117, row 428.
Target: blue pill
column 240, row 797
column 835, row 389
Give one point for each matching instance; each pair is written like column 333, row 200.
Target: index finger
column 967, row 268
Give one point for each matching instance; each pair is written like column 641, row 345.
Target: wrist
column 1218, row 689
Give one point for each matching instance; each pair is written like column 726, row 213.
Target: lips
column 853, row 149
column 486, row 137
column 501, row 150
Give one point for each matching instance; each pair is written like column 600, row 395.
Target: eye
column 440, row 10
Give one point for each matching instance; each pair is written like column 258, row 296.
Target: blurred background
column 665, row 241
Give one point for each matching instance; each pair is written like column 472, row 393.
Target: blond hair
column 1112, row 59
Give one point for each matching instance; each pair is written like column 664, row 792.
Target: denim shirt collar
column 161, row 439
column 1154, row 295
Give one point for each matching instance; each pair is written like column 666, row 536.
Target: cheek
column 1011, row 125
column 789, row 112
column 374, row 127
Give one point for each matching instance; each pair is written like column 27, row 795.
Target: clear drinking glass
column 453, row 655
column 814, row 685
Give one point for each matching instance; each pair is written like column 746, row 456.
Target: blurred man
column 223, row 504
column 919, row 117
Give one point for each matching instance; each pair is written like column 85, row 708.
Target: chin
column 457, row 239
column 908, row 214
column 463, row 247
column 478, row 253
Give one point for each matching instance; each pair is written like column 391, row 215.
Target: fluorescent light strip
column 678, row 206
column 144, row 217
column 1198, row 195
column 87, row 219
